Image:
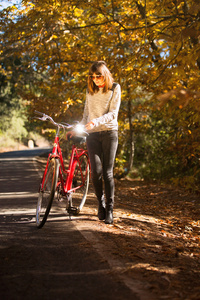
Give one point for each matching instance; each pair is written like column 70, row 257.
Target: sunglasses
column 96, row 76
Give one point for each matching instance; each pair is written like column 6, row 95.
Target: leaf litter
column 156, row 233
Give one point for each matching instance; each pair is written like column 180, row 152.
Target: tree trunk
column 131, row 140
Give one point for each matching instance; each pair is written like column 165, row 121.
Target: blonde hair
column 99, row 68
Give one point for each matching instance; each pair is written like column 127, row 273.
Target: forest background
column 153, row 51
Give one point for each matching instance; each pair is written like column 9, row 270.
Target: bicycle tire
column 47, row 192
column 80, row 183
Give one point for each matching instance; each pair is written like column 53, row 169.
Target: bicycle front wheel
column 47, row 192
column 80, row 183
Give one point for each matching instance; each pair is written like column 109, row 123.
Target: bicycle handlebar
column 60, row 125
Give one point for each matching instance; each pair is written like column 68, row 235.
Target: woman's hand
column 69, row 135
column 89, row 126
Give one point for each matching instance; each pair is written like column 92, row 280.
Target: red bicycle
column 71, row 183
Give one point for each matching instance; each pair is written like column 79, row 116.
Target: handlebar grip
column 39, row 113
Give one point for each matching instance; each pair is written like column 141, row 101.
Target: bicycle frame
column 57, row 153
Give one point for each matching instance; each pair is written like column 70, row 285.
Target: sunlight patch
column 161, row 269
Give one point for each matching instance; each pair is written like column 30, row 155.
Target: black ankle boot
column 101, row 212
column 102, row 209
column 109, row 215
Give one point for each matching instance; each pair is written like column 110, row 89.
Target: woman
column 100, row 115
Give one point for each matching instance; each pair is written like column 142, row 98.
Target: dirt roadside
column 154, row 241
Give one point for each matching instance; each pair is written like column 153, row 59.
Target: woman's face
column 98, row 79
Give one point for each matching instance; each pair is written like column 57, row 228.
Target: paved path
column 55, row 262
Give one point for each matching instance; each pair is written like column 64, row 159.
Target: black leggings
column 102, row 147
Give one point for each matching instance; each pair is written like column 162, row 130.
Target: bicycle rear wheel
column 80, row 183
column 47, row 192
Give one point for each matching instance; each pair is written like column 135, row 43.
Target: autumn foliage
column 153, row 50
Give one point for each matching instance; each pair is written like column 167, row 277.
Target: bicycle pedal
column 72, row 210
column 60, row 199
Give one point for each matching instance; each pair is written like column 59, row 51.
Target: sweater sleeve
column 113, row 109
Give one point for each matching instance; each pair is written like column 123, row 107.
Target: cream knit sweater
column 102, row 109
